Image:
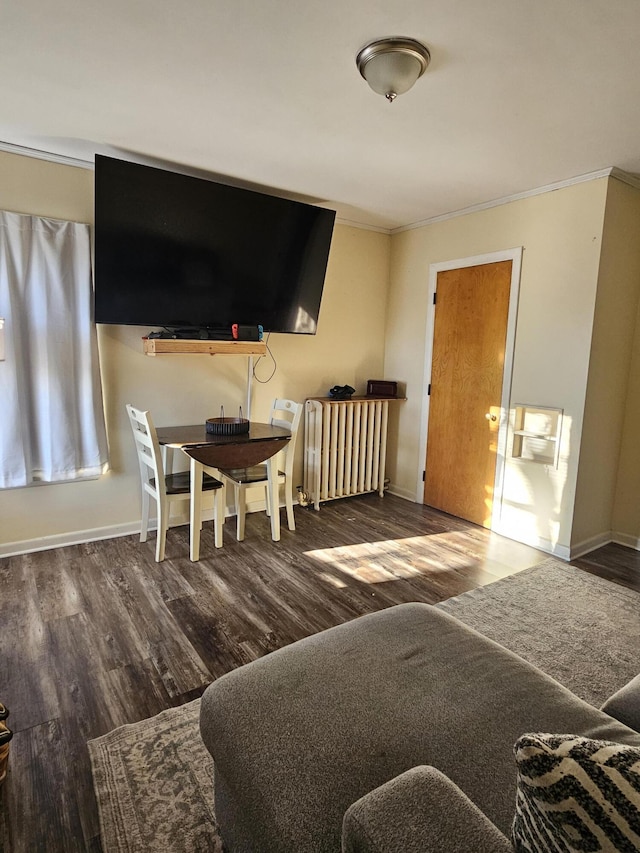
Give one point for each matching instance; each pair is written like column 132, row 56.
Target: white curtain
column 51, row 417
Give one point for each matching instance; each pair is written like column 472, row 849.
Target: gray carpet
column 578, row 628
column 153, row 779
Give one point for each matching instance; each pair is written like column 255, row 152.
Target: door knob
column 491, row 417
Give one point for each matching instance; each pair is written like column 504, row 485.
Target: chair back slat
column 148, row 450
column 287, row 414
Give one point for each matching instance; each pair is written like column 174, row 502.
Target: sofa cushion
column 576, row 794
column 624, row 705
column 419, row 811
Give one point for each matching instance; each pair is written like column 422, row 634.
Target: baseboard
column 611, row 536
column 74, row 537
column 580, row 548
column 588, row 545
column 615, row 536
column 562, row 552
column 80, row 537
column 399, row 492
column 625, row 539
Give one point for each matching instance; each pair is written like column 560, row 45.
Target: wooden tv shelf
column 169, row 346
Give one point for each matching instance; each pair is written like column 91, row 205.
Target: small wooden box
column 381, row 388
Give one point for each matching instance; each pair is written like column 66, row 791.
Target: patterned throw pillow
column 576, row 794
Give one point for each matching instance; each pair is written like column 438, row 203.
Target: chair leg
column 161, row 538
column 195, row 509
column 218, row 516
column 288, row 499
column 167, row 456
column 274, row 497
column 241, row 511
column 144, row 525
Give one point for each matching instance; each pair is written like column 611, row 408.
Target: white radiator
column 345, row 447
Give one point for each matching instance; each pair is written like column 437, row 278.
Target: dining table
column 261, row 443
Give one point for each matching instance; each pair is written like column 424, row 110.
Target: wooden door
column 471, row 313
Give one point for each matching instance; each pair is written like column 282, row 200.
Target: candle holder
column 227, row 426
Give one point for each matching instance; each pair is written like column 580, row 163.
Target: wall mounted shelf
column 536, row 434
column 176, row 346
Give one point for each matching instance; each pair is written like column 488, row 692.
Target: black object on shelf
column 194, row 333
column 235, row 332
column 341, row 392
column 381, row 388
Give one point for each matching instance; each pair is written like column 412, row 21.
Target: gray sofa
column 393, row 732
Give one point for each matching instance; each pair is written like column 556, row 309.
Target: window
column 51, row 417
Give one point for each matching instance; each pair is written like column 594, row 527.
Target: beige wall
column 348, row 348
column 35, row 186
column 574, row 342
column 561, row 234
column 607, row 389
column 626, row 508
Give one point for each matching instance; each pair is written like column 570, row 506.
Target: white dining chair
column 166, row 489
column 287, row 414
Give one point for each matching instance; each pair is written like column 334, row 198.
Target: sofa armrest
column 624, row 705
column 420, row 811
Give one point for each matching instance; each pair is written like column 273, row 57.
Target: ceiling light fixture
column 392, row 65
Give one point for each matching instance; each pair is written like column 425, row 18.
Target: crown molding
column 64, row 160
column 39, row 154
column 363, row 226
column 612, row 171
column 626, row 177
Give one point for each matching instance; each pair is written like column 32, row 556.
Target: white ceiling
column 519, row 94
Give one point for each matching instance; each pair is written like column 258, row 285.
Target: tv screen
column 180, row 252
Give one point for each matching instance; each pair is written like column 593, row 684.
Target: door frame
column 515, row 256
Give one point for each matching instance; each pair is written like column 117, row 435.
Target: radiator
column 345, row 448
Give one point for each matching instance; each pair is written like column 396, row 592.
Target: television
column 186, row 253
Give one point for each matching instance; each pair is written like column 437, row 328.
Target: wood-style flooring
column 93, row 636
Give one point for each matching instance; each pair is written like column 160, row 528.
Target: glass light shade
column 392, row 73
column 392, row 65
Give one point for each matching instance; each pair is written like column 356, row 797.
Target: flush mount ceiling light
column 392, row 65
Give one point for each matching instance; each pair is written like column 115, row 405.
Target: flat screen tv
column 181, row 252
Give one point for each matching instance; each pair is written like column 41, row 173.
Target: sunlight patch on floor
column 339, row 584
column 379, row 562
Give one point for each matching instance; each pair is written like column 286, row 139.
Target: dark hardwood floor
column 97, row 635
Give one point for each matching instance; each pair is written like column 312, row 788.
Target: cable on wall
column 259, row 359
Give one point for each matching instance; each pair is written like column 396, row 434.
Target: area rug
column 580, row 629
column 154, row 786
column 154, row 779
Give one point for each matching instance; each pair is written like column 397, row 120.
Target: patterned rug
column 153, row 779
column 154, row 786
